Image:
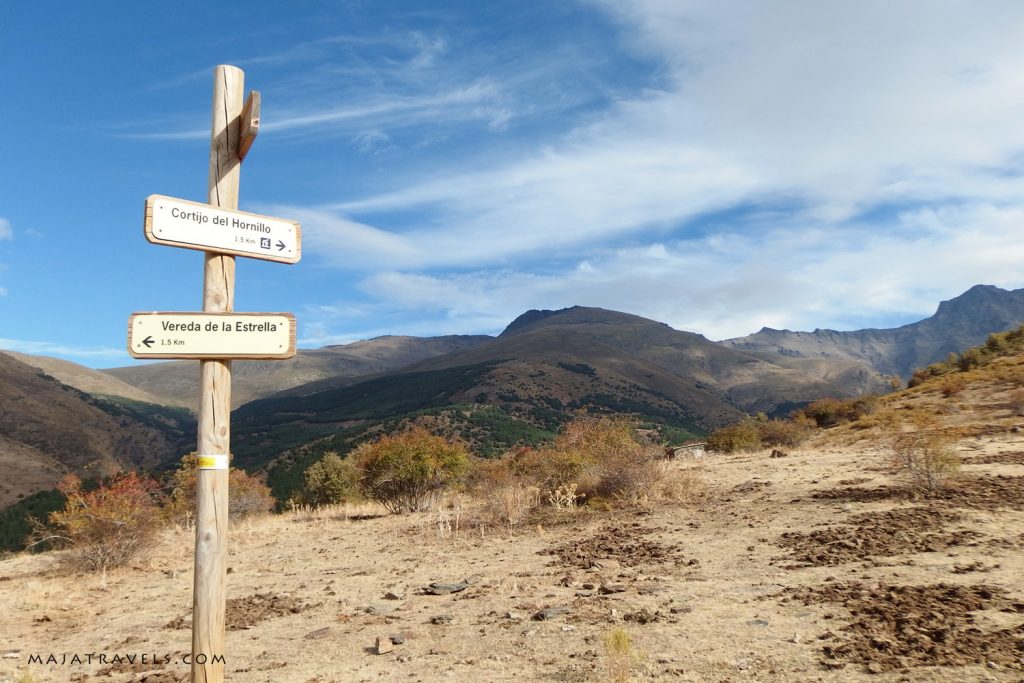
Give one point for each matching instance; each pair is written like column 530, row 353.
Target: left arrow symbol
column 148, row 341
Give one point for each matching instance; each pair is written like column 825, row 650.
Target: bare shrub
column 927, row 459
column 109, row 525
column 507, row 497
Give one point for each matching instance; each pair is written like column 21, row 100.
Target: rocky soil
column 819, row 566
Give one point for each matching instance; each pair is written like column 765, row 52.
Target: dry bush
column 627, row 476
column 786, row 433
column 247, row 495
column 507, row 497
column 1017, row 401
column 952, row 385
column 829, row 412
column 331, row 480
column 594, row 458
column 406, row 472
column 927, row 459
column 678, row 485
column 742, row 436
column 549, row 467
column 107, row 526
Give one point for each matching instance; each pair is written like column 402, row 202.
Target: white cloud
column 54, row 349
column 841, row 111
column 726, row 284
column 6, row 231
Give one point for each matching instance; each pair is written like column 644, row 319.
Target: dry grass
column 618, row 652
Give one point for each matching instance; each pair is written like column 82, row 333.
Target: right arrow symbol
column 148, row 341
column 280, row 245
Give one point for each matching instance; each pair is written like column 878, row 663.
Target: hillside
column 523, row 385
column 958, row 324
column 823, row 565
column 85, row 379
column 177, row 382
column 48, row 429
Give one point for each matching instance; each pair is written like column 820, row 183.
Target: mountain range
column 494, row 392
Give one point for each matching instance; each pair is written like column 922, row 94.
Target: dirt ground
column 819, row 566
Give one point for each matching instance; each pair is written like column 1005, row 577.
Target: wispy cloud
column 6, row 231
column 726, row 284
column 53, row 349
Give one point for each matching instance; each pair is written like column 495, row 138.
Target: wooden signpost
column 215, row 336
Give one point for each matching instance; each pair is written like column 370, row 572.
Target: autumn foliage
column 109, row 525
column 247, row 495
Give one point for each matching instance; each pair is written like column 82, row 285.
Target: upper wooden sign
column 211, row 335
column 192, row 225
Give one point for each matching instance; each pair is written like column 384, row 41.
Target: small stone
column 584, row 594
column 442, row 619
column 605, row 563
column 445, row 588
column 397, row 639
column 684, row 609
column 404, row 658
column 795, row 638
column 875, row 668
column 742, row 664
column 379, row 609
column 588, row 586
column 664, row 659
column 390, row 595
column 550, row 613
column 384, row 646
column 319, row 633
column 992, row 665
column 758, row 622
column 514, row 616
column 567, row 628
column 609, row 588
column 530, row 631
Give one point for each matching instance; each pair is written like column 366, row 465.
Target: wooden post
column 214, row 440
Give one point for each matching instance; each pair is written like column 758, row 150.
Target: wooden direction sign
column 211, row 335
column 192, row 225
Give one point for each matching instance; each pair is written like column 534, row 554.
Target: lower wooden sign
column 211, row 335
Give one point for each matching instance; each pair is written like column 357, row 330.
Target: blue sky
column 719, row 166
